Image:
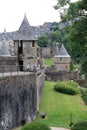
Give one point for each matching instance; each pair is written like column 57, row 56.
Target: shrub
column 85, row 85
column 80, row 126
column 35, row 126
column 73, row 84
column 66, row 87
column 84, row 95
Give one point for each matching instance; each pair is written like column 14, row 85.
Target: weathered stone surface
column 8, row 64
column 18, row 99
column 53, row 75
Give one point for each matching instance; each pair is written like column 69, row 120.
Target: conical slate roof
column 25, row 25
column 62, row 52
column 4, row 51
column 4, row 37
column 25, row 31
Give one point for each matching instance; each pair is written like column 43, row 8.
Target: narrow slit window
column 61, row 58
column 33, row 43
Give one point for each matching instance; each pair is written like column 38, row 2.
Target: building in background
column 62, row 60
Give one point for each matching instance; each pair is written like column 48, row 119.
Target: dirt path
column 58, row 128
column 16, row 128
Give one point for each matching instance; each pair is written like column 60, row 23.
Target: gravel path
column 58, row 128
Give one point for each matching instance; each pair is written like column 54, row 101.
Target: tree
column 43, row 41
column 50, row 39
column 77, row 35
column 55, row 36
column 61, row 3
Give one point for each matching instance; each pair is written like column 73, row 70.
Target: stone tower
column 7, row 62
column 25, row 44
column 62, row 60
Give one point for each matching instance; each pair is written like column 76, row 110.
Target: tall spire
column 25, row 32
column 4, row 30
column 25, row 24
column 24, row 15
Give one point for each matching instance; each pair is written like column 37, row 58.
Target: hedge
column 67, row 87
column 80, row 126
column 35, row 126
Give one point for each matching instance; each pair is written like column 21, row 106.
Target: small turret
column 62, row 60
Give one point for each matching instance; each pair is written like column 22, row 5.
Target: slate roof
column 4, row 37
column 25, row 31
column 4, row 51
column 62, row 52
column 7, row 36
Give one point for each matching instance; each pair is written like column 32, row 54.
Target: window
column 33, row 43
column 20, row 47
column 20, row 43
column 61, row 58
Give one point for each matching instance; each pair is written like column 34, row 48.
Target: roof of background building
column 7, row 36
column 25, row 31
column 4, row 51
column 4, row 37
column 62, row 52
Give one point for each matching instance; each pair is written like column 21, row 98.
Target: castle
column 22, row 74
column 21, row 77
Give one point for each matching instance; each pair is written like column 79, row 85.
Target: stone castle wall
column 40, row 82
column 8, row 64
column 19, row 98
column 61, row 75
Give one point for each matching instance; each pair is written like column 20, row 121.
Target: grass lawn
column 49, row 61
column 59, row 107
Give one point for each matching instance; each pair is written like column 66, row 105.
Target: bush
column 35, row 126
column 84, row 95
column 67, row 87
column 80, row 126
column 73, row 84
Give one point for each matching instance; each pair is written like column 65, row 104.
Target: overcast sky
column 37, row 11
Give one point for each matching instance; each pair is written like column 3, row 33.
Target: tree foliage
column 55, row 36
column 43, row 41
column 50, row 39
column 76, row 38
column 61, row 3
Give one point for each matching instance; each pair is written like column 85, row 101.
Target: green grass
column 35, row 126
column 80, row 126
column 76, row 66
column 59, row 107
column 49, row 61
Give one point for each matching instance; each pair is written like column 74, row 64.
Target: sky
column 37, row 11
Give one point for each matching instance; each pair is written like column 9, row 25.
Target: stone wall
column 61, row 75
column 46, row 52
column 8, row 64
column 29, row 48
column 19, row 98
column 40, row 82
column 62, row 63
